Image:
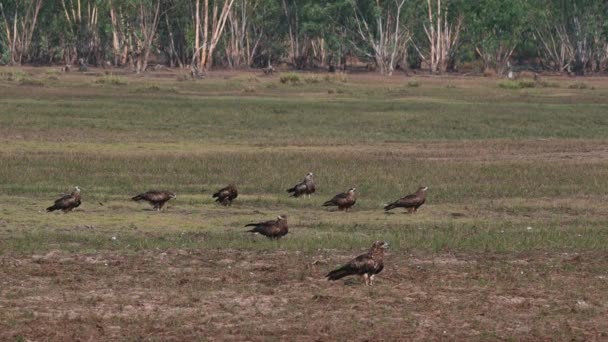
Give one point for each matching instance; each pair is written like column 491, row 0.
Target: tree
column 82, row 20
column 19, row 26
column 442, row 36
column 495, row 29
column 572, row 35
column 379, row 26
column 212, row 28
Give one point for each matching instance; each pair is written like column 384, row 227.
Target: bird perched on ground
column 273, row 229
column 226, row 195
column 306, row 187
column 157, row 199
column 343, row 200
column 67, row 202
column 366, row 265
column 410, row 202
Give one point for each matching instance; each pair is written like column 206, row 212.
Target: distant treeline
column 434, row 35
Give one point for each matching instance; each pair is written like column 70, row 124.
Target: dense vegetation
column 438, row 36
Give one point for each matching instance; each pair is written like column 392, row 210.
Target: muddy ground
column 236, row 295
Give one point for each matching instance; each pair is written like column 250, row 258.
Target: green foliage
column 112, row 80
column 290, row 78
column 579, row 85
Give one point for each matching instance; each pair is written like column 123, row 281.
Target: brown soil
column 233, row 295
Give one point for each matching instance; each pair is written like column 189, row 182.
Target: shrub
column 521, row 84
column 290, row 78
column 27, row 81
column 338, row 77
column 489, row 72
column 12, row 75
column 579, row 85
column 311, row 79
column 112, row 80
column 249, row 89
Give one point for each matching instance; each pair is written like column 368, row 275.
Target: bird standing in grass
column 344, row 201
column 305, row 187
column 67, row 202
column 157, row 199
column 226, row 195
column 410, row 202
column 366, row 265
column 273, row 229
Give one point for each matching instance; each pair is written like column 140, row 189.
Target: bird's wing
column 156, row 196
column 66, row 201
column 63, row 199
column 299, row 188
column 409, row 200
column 361, row 264
column 220, row 192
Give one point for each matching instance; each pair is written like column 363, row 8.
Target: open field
column 512, row 243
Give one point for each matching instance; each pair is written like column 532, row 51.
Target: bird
column 344, row 201
column 67, row 203
column 366, row 265
column 226, row 195
column 305, row 187
column 410, row 202
column 156, row 198
column 273, row 229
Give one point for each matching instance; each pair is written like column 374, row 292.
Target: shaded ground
column 235, row 295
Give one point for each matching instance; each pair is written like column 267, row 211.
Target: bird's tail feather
column 51, row 208
column 217, row 194
column 251, row 225
column 328, row 203
column 291, row 189
column 137, row 198
column 390, row 206
column 337, row 274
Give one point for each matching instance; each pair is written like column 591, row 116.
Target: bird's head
column 172, row 195
column 309, row 174
column 282, row 217
column 380, row 245
column 76, row 189
column 352, row 189
column 423, row 188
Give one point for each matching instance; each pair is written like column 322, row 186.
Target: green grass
column 504, row 160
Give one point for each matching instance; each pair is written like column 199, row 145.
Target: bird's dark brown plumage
column 226, row 195
column 366, row 265
column 273, row 229
column 157, row 199
column 305, row 187
column 67, row 202
column 410, row 202
column 344, row 200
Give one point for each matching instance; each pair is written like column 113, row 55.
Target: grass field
column 512, row 243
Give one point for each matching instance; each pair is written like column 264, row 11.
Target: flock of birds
column 366, row 265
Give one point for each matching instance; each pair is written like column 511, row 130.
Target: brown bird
column 226, row 195
column 157, row 199
column 344, row 200
column 366, row 265
column 67, row 202
column 273, row 229
column 410, row 202
column 305, row 187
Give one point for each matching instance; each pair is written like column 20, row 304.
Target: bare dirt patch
column 235, row 295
